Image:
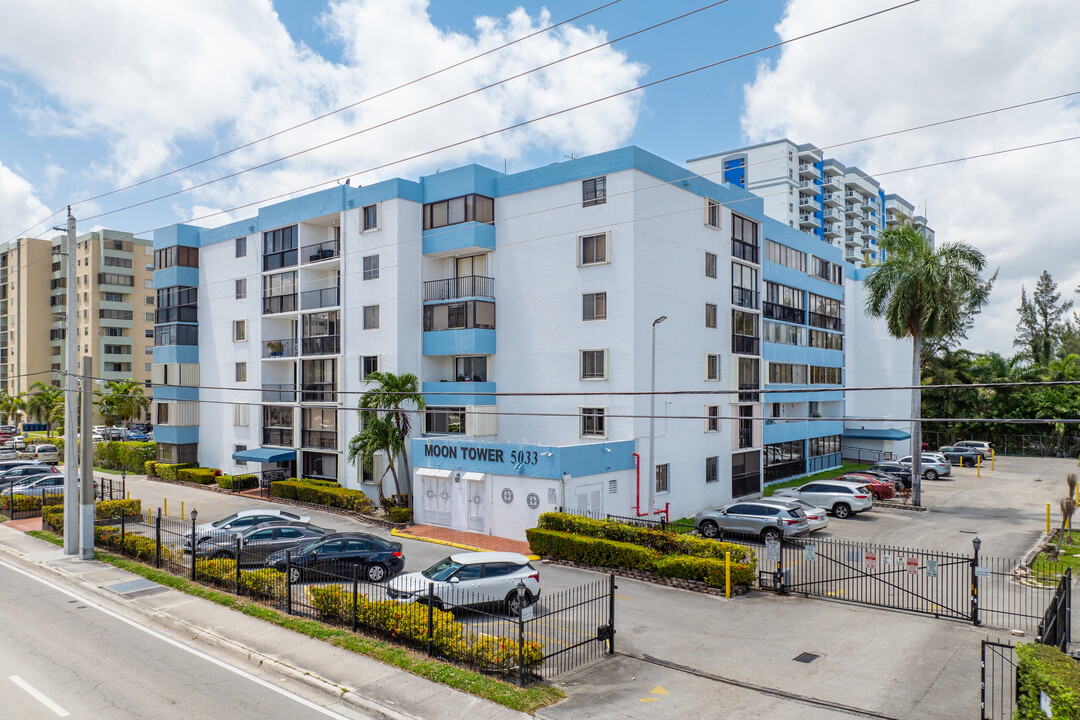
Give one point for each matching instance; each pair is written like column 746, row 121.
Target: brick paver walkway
column 25, row 524
column 468, row 540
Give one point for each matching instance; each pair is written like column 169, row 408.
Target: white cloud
column 19, row 206
column 154, row 79
column 934, row 61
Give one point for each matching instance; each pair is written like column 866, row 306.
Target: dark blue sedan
column 334, row 557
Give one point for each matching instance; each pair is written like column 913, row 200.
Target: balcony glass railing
column 320, row 439
column 315, row 299
column 744, row 298
column 744, row 251
column 323, row 251
column 745, row 345
column 746, row 394
column 322, row 345
column 279, row 393
column 459, row 287
column 774, row 311
column 322, row 392
column 279, row 304
column 826, row 322
column 279, row 348
column 277, row 436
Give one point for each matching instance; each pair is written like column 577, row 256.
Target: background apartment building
column 25, row 314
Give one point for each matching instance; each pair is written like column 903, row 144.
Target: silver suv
column 932, row 466
column 765, row 518
column 840, row 497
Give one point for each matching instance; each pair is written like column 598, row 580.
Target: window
column 593, row 249
column 162, row 414
column 113, row 332
column 712, row 418
column 239, row 449
column 165, row 335
column 828, row 445
column 240, row 415
column 712, row 367
column 744, row 285
column 148, row 317
column 710, row 315
column 371, row 317
column 371, row 217
column 371, row 267
column 827, row 271
column 825, row 375
column 239, row 330
column 150, row 333
column 592, row 422
column 712, row 213
column 744, row 239
column 744, row 332
column 173, row 256
column 787, row 373
column 783, row 255
column 784, row 334
column 368, row 365
column 594, row 191
column 148, row 283
column 662, row 478
column 594, row 306
column 241, row 288
column 241, row 247
column 470, row 369
column 594, row 364
column 105, row 278
column 148, row 300
column 469, row 208
column 241, row 372
column 710, row 265
column 115, row 297
column 712, row 469
column 826, row 340
column 459, row 316
column 444, row 420
column 108, row 314
column 279, row 248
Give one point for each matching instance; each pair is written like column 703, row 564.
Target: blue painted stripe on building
column 432, row 390
column 176, row 354
column 459, row 342
column 175, row 392
column 176, row 435
column 538, row 461
column 176, row 276
column 455, row 238
column 822, row 395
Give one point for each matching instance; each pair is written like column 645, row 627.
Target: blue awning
column 265, row 455
column 876, row 434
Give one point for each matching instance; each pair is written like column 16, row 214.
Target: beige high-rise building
column 115, row 303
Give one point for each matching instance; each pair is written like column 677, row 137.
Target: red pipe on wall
column 637, row 485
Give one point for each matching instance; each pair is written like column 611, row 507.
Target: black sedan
column 963, row 456
column 334, row 557
column 900, row 472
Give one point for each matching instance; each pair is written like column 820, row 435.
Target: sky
column 100, row 95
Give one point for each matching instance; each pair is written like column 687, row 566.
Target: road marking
column 623, row 597
column 658, row 690
column 179, row 645
column 648, row 699
column 39, row 696
column 834, row 593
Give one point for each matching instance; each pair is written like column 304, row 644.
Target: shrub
column 168, row 471
column 150, row 468
column 203, row 476
column 237, row 482
column 339, row 497
column 129, row 456
column 707, row 570
column 29, row 502
column 137, row 546
column 400, row 514
column 591, row 551
column 319, row 483
column 1045, row 669
column 108, row 509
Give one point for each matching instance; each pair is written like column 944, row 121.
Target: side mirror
column 454, row 580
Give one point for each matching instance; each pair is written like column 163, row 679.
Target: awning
column 876, row 434
column 433, row 472
column 265, row 455
column 472, row 476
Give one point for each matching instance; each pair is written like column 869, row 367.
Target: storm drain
column 806, row 657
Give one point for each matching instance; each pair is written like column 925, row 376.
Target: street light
column 652, row 413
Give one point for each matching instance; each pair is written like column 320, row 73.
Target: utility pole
column 86, row 491
column 71, row 399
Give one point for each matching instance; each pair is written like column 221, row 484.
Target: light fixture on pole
column 652, row 413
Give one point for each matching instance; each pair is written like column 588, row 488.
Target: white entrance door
column 590, row 499
column 435, row 501
column 477, row 504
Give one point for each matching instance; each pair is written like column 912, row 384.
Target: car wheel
column 514, row 602
column 710, row 529
column 295, row 575
column 375, row 572
column 221, row 555
column 770, row 534
column 967, row 463
column 930, row 474
column 841, row 510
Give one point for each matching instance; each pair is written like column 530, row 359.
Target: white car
column 45, row 453
column 979, row 446
column 841, row 497
column 816, row 517
column 474, row 578
column 933, row 465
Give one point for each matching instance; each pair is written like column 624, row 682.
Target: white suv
column 979, row 446
column 842, row 498
column 475, row 578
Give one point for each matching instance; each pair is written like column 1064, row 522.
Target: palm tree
column 923, row 292
column 12, row 405
column 378, row 434
column 122, row 400
column 46, row 404
column 390, row 396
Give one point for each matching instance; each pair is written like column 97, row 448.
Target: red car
column 880, row 488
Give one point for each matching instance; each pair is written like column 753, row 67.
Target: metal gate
column 574, row 626
column 998, row 691
column 435, row 504
column 1056, row 626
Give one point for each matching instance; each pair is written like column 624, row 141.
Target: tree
column 923, row 292
column 122, row 400
column 12, row 405
column 1067, row 505
column 1041, row 327
column 378, row 434
column 46, row 404
column 389, row 398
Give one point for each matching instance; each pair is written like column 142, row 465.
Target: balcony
column 322, row 251
column 869, row 220
column 462, row 341
column 279, row 304
column 782, row 470
column 784, row 313
column 743, row 297
column 433, row 396
column 282, row 437
column 285, row 348
column 468, row 237
column 833, row 199
column 809, row 202
column 322, row 345
column 748, row 392
column 745, row 345
column 808, row 171
column 278, row 260
column 811, row 185
column 811, row 220
column 852, row 240
column 833, row 183
column 279, row 393
column 852, row 255
column 319, row 439
column 834, row 215
column 459, row 287
column 868, row 203
column 315, row 299
column 826, row 322
column 741, row 250
column 833, row 230
column 319, row 392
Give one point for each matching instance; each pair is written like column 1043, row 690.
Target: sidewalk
column 363, row 683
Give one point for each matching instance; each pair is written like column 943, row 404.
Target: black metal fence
column 1056, row 626
column 1008, row 443
column 512, row 634
column 998, row 691
column 110, row 489
column 657, row 521
column 28, row 503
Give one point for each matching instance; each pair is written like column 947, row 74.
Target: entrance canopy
column 265, row 455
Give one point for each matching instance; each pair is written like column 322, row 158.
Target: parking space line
column 39, row 696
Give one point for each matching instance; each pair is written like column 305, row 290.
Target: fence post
column 237, row 556
column 430, row 619
column 121, row 531
column 288, row 582
column 194, row 545
column 521, row 632
column 975, row 583
column 611, row 613
column 355, row 593
column 727, row 574
column 157, row 537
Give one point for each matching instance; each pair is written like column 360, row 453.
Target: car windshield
column 441, row 570
column 225, row 521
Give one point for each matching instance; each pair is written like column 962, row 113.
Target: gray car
column 962, row 456
column 764, row 518
column 258, row 542
column 840, row 497
column 50, row 484
column 932, row 467
column 239, row 522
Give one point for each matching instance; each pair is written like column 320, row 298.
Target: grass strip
column 498, row 691
column 826, row 475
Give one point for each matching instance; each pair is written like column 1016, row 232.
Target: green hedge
column 203, row 476
column 237, row 482
column 128, row 456
column 339, row 497
column 29, row 502
column 265, row 583
column 137, row 546
column 1043, row 668
column 318, row 483
column 708, row 570
column 400, row 514
column 150, row 468
column 591, row 551
column 103, row 510
column 409, row 623
column 168, row 471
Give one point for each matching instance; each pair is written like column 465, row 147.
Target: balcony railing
column 279, row 393
column 783, row 470
column 315, row 299
column 322, row 345
column 745, row 396
column 459, row 287
column 277, row 436
column 321, row 439
column 744, row 250
column 285, row 348
column 322, row 251
column 279, row 304
column 745, row 345
column 322, row 392
column 775, row 311
column 826, row 322
column 745, row 484
column 746, row 437
column 744, row 298
column 278, row 260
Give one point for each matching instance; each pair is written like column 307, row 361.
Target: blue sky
column 123, row 92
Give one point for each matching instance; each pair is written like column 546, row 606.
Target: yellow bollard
column 727, row 574
column 991, row 458
column 181, row 509
column 166, row 507
column 978, row 466
column 128, row 495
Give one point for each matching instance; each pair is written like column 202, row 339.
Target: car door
column 498, row 580
column 814, row 494
column 257, row 545
column 327, row 556
column 357, row 553
column 759, row 517
column 286, row 538
column 737, row 518
column 468, row 590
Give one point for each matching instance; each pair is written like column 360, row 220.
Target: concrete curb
column 397, row 533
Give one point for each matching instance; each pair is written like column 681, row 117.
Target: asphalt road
column 67, row 656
